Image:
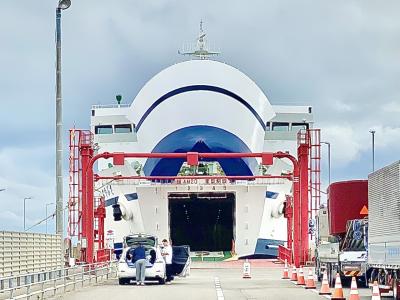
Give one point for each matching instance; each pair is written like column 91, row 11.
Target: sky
column 341, row 57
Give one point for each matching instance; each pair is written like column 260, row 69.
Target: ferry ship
column 199, row 105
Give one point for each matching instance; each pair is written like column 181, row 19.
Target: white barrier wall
column 22, row 252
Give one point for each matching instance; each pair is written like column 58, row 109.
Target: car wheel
column 123, row 281
column 161, row 281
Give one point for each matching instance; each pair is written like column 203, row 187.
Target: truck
column 384, row 228
column 341, row 245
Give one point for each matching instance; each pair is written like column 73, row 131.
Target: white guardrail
column 26, row 252
column 48, row 283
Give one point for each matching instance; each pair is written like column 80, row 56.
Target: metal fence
column 23, row 252
column 284, row 254
column 40, row 285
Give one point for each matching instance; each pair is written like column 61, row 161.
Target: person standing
column 139, row 257
column 167, row 255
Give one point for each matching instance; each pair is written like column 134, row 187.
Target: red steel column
column 87, row 202
column 296, row 217
column 303, row 151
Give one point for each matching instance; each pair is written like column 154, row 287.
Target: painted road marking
column 218, row 289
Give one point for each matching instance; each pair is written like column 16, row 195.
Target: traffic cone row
column 299, row 277
column 310, row 284
column 325, row 290
column 285, row 271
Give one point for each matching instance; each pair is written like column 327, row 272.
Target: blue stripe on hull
column 200, row 87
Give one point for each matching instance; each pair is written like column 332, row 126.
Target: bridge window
column 280, row 126
column 204, row 168
column 103, row 129
column 123, row 128
column 299, row 126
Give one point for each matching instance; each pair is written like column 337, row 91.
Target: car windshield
column 143, row 240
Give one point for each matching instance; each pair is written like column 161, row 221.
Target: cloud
column 387, row 137
column 391, row 107
column 349, row 142
column 25, row 172
column 346, row 143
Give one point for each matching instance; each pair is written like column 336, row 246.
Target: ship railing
column 46, row 283
column 183, row 181
column 284, row 254
column 110, row 106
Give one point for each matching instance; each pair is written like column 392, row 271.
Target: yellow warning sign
column 364, row 211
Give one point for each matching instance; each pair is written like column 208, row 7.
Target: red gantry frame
column 87, row 213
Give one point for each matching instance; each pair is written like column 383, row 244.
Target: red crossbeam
column 98, row 177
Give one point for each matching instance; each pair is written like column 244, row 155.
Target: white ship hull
column 200, row 106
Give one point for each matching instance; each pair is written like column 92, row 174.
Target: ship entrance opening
column 204, row 221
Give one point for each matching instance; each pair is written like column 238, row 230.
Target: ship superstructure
column 203, row 106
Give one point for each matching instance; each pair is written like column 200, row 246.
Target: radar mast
column 201, row 49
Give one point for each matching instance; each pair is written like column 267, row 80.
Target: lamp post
column 26, row 198
column 47, row 204
column 329, row 160
column 62, row 4
column 373, row 149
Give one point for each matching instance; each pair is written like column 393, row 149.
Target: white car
column 155, row 265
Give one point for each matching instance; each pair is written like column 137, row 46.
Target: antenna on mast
column 201, row 49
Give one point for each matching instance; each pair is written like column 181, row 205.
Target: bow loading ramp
column 205, row 221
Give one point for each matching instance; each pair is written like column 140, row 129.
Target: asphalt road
column 203, row 284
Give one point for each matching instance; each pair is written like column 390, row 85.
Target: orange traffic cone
column 300, row 277
column 294, row 274
column 246, row 269
column 375, row 292
column 338, row 293
column 325, row 286
column 285, row 271
column 310, row 283
column 354, row 291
